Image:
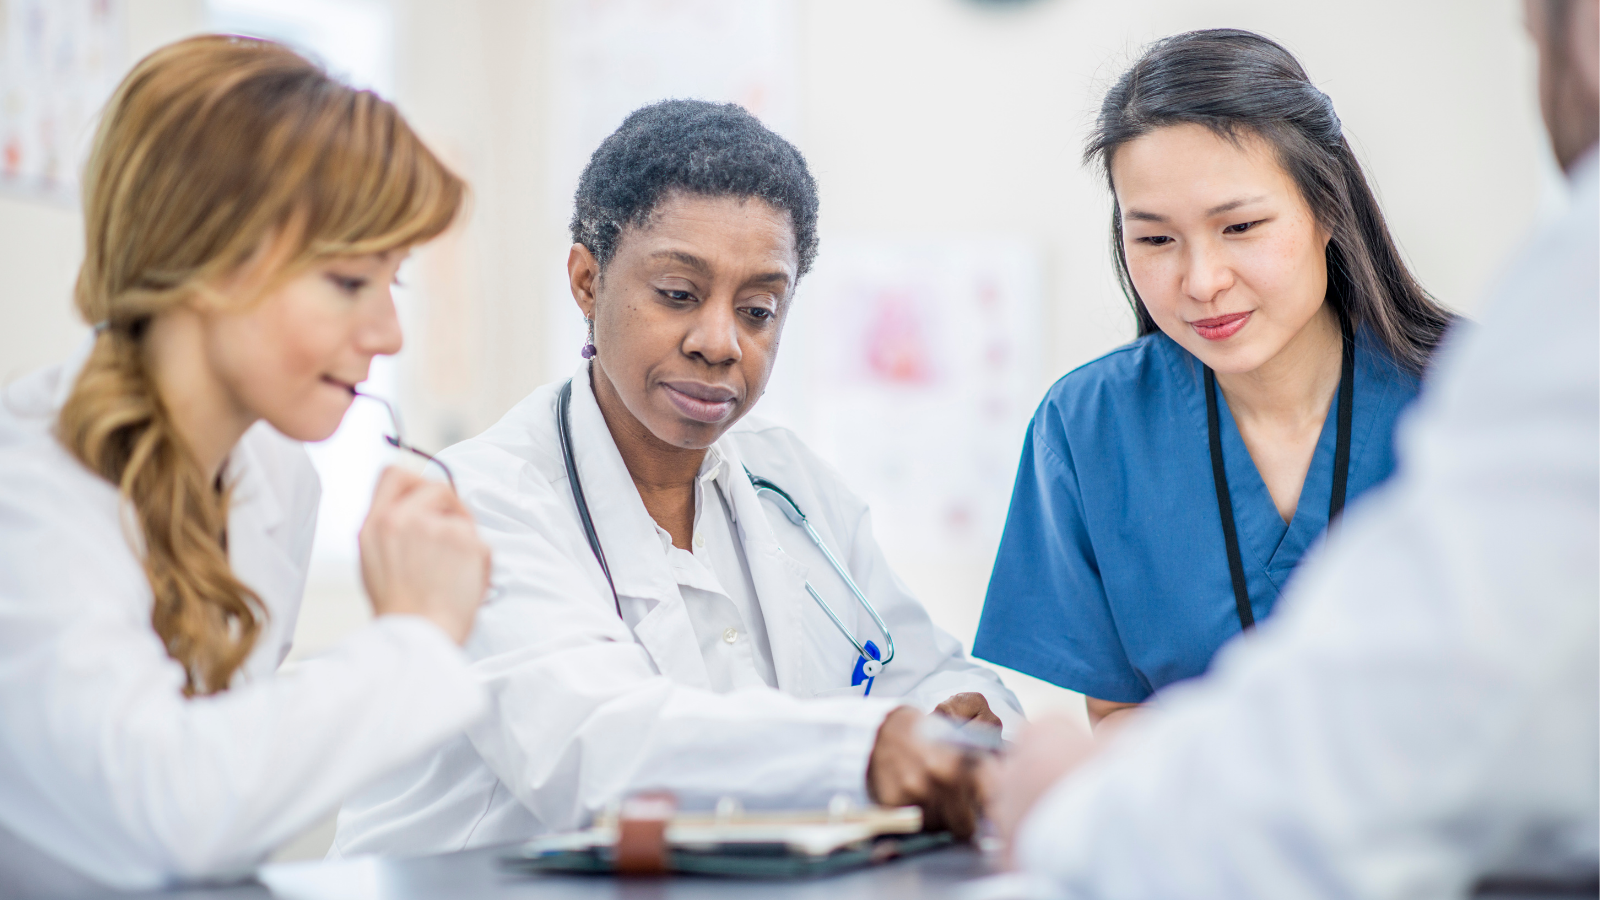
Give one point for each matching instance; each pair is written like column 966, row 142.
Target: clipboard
column 648, row 837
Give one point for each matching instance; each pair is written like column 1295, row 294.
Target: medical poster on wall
column 911, row 365
column 610, row 57
column 59, row 62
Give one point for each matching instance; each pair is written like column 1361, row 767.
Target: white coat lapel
column 779, row 578
column 639, row 569
column 258, row 552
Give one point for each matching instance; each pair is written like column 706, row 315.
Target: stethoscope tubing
column 762, row 486
column 564, row 433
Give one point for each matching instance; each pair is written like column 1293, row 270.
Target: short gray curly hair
column 713, row 149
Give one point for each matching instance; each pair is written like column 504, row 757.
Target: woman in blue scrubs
column 1168, row 490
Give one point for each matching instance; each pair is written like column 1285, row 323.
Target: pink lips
column 1220, row 328
column 701, row 402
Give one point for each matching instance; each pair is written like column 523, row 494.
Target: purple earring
column 588, row 350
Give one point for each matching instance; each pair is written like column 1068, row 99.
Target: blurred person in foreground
column 1422, row 714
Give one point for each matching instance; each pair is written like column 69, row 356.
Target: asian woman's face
column 688, row 313
column 1221, row 246
column 293, row 356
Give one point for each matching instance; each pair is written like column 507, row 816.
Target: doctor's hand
column 905, row 770
column 968, row 706
column 421, row 554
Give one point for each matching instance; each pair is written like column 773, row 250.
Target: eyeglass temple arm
column 394, row 415
column 448, row 475
column 398, row 442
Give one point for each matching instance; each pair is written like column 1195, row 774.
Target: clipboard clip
column 641, row 847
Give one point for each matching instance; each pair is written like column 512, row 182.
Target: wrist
column 453, row 628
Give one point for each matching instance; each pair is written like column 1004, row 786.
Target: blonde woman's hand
column 421, row 554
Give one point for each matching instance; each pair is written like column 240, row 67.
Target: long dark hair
column 1236, row 83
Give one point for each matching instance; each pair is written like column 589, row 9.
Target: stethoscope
column 870, row 661
column 1341, row 466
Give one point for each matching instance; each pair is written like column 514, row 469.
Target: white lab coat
column 586, row 708
column 106, row 769
column 1424, row 709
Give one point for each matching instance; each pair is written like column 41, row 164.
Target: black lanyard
column 1219, row 473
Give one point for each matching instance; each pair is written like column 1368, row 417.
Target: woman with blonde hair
column 245, row 216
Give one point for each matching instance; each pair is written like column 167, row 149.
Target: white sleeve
column 930, row 664
column 1423, row 709
column 104, row 763
column 579, row 716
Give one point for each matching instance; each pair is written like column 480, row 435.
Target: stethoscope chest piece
column 868, row 665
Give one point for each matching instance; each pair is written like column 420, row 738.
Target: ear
column 583, row 275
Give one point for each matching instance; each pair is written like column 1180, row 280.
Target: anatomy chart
column 59, row 61
column 912, row 366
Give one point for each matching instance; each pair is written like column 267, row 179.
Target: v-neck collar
column 1276, row 546
column 622, row 522
column 620, row 517
column 1267, row 543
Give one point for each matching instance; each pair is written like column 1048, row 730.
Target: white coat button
column 730, row 634
column 699, row 542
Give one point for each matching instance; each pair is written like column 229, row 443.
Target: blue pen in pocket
column 867, row 669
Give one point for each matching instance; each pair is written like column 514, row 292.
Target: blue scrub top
column 1112, row 576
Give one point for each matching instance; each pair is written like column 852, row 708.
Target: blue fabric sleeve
column 1046, row 612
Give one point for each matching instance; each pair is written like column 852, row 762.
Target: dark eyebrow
column 700, row 265
column 1232, row 205
column 779, row 278
column 1142, row 216
column 688, row 259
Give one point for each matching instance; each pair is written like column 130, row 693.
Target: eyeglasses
column 396, row 441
